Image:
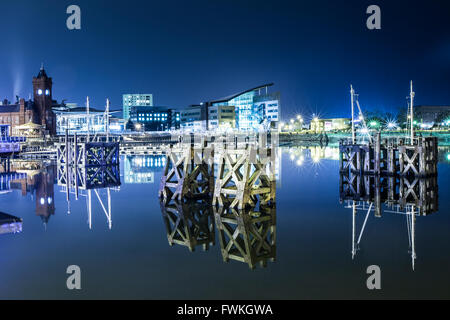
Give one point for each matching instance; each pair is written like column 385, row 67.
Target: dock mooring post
column 75, row 154
column 377, row 157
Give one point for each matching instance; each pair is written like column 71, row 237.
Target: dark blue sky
column 189, row 51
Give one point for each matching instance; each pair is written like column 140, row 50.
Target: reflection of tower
column 45, row 204
column 42, row 91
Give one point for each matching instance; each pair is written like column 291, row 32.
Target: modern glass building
column 255, row 109
column 131, row 100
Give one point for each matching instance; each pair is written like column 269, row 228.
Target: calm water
column 133, row 259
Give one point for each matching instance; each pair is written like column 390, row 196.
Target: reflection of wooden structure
column 189, row 173
column 245, row 176
column 393, row 191
column 247, row 235
column 189, row 224
column 409, row 196
column 390, row 157
column 85, row 178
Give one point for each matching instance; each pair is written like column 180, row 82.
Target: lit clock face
column 39, row 92
column 47, row 92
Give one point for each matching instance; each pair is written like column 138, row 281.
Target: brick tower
column 42, row 91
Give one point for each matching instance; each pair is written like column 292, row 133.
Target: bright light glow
column 364, row 131
column 315, row 119
column 292, row 157
column 391, row 125
column 39, row 92
column 49, row 200
column 42, row 201
column 448, row 156
column 292, row 121
column 373, row 123
column 47, row 92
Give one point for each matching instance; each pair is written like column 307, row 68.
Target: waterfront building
column 326, row 125
column 154, row 118
column 194, row 118
column 221, row 118
column 135, row 100
column 38, row 111
column 254, row 110
column 75, row 119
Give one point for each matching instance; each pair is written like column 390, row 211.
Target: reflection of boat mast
column 106, row 210
column 355, row 246
column 411, row 225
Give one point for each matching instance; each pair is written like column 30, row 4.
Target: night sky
column 185, row 52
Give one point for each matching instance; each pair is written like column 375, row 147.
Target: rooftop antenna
column 411, row 96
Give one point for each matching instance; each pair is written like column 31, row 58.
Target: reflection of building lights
column 292, row 157
column 299, row 162
column 42, row 201
column 448, row 156
column 292, row 121
column 49, row 200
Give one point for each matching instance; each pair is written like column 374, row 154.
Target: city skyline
column 136, row 47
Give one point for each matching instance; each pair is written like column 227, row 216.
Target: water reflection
column 189, row 224
column 39, row 179
column 142, row 168
column 36, row 179
column 302, row 155
column 407, row 196
column 9, row 224
column 88, row 183
column 248, row 236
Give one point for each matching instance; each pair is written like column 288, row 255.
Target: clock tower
column 42, row 92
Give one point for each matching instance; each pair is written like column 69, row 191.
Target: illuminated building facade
column 254, row 110
column 221, row 118
column 135, row 100
column 154, row 118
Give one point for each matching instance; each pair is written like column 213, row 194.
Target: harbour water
column 127, row 254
